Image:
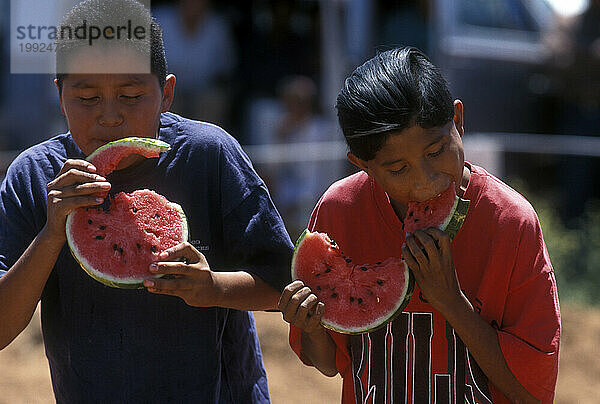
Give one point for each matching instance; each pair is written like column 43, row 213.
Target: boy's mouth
column 432, row 195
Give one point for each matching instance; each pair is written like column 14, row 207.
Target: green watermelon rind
column 455, row 220
column 115, row 282
column 150, row 144
column 378, row 323
column 305, row 233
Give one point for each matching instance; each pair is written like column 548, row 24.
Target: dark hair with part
column 111, row 14
column 393, row 91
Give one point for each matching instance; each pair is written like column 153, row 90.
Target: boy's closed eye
column 399, row 171
column 89, row 100
column 439, row 149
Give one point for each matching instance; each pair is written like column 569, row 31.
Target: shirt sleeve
column 258, row 239
column 530, row 332
column 17, row 216
column 252, row 227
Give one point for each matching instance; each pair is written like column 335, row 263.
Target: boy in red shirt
column 483, row 324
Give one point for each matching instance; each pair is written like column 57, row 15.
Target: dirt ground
column 25, row 376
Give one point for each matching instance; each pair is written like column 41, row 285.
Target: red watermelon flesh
column 106, row 158
column 358, row 298
column 117, row 245
column 445, row 211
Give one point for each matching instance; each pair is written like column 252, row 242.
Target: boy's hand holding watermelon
column 188, row 276
column 427, row 253
column 301, row 308
column 76, row 185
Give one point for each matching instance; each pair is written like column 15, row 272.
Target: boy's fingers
column 314, row 320
column 69, row 204
column 416, row 250
column 428, row 244
column 408, row 257
column 170, row 267
column 85, row 189
column 441, row 238
column 73, row 176
column 184, row 250
column 168, row 286
column 290, row 312
column 287, row 293
column 82, row 165
column 306, row 308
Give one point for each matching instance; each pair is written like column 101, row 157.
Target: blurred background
column 268, row 71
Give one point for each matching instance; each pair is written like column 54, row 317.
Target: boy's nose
column 110, row 116
column 425, row 183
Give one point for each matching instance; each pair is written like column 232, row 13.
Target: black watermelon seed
column 90, row 221
column 318, row 274
column 334, row 295
column 416, row 220
column 360, row 300
column 348, row 260
column 328, row 270
column 153, row 248
column 157, row 215
column 102, row 227
column 121, row 250
column 426, row 208
column 318, row 287
column 99, row 237
column 364, row 268
column 134, row 210
column 115, row 247
column 351, row 299
column 138, row 245
column 379, row 282
column 378, row 263
column 410, row 214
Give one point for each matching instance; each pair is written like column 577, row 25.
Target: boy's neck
column 465, row 181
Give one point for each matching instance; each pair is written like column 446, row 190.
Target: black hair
column 103, row 13
column 393, row 91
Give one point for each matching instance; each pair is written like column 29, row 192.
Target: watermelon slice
column 358, row 298
column 106, row 158
column 445, row 211
column 116, row 242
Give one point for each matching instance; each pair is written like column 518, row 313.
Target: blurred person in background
column 201, row 52
column 28, row 103
column 296, row 188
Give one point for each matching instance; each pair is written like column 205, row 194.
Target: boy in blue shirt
column 188, row 338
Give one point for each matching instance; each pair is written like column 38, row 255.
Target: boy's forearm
column 244, row 291
column 482, row 341
column 320, row 349
column 21, row 287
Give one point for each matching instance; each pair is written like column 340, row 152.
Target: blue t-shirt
column 111, row 345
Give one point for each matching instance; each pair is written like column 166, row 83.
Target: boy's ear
column 362, row 164
column 458, row 117
column 62, row 111
column 168, row 93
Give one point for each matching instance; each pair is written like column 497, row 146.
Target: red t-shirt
column 504, row 270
